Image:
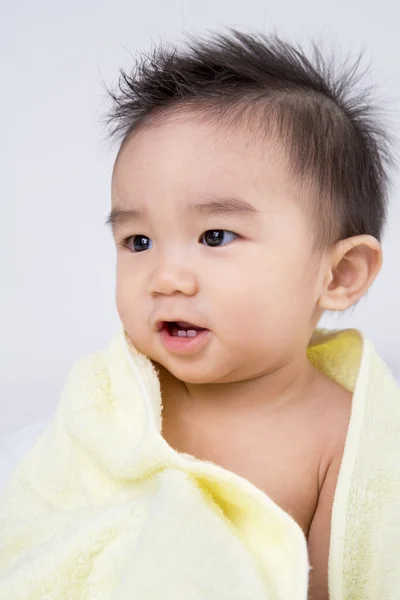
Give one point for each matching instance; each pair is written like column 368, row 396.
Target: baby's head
column 249, row 196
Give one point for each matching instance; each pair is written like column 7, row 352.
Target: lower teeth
column 183, row 333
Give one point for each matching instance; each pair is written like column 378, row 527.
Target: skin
column 249, row 400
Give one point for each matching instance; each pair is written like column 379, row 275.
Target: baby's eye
column 138, row 243
column 217, row 237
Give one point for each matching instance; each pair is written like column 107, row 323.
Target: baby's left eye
column 217, row 237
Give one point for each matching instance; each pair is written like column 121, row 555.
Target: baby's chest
column 286, row 469
column 288, row 474
column 283, row 461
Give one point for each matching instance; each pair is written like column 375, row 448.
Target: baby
column 249, row 196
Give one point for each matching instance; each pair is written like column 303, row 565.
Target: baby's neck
column 261, row 395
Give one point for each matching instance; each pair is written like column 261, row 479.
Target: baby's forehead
column 183, row 165
column 195, row 131
column 195, row 157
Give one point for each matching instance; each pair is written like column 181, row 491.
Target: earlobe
column 355, row 263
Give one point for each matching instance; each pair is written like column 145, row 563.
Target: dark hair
column 332, row 135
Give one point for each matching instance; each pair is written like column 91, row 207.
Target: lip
column 183, row 345
column 160, row 323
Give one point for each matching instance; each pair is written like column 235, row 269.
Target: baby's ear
column 354, row 264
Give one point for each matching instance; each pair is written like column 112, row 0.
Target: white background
column 57, row 258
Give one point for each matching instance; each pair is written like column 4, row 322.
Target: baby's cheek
column 129, row 310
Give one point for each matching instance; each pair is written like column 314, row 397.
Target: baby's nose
column 170, row 278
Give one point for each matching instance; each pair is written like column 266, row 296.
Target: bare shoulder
column 335, row 431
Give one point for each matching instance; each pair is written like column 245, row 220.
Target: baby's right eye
column 140, row 243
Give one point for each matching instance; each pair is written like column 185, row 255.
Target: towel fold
column 103, row 508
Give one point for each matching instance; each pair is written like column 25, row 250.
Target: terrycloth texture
column 103, row 508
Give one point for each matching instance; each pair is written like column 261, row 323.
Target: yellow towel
column 103, row 508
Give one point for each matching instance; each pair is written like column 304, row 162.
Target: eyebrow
column 216, row 207
column 119, row 216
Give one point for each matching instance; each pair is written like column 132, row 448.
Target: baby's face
column 247, row 276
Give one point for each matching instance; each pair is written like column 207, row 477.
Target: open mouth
column 181, row 328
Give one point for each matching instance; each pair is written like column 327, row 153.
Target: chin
column 194, row 376
column 197, row 379
column 199, row 369
column 197, row 374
